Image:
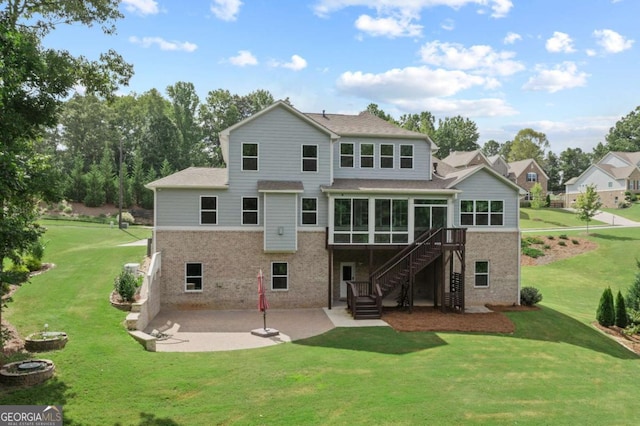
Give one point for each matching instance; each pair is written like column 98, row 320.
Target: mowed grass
column 556, row 368
column 551, row 218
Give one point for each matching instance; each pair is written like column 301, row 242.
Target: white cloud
column 611, row 41
column 227, row 10
column 410, row 82
column 448, row 25
column 388, row 27
column 488, row 107
column 560, row 42
column 511, row 38
column 480, row 58
column 297, row 63
column 243, row 59
column 500, row 8
column 142, row 7
column 163, row 44
column 561, row 77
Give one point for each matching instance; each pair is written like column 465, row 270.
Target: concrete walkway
column 209, row 330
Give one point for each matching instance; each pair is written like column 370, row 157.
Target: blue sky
column 567, row 68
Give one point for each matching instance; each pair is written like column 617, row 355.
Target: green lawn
column 551, row 218
column 632, row 212
column 556, row 368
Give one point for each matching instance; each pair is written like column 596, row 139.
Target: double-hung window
column 193, row 277
column 386, row 156
column 346, row 155
column 249, row 210
column 309, row 211
column 481, row 273
column 279, row 276
column 481, row 213
column 309, row 158
column 366, row 155
column 208, row 210
column 406, row 156
column 250, row 156
column 532, row 177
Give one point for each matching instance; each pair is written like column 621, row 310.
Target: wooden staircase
column 364, row 298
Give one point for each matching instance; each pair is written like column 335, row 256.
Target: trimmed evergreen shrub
column 563, row 237
column 529, row 296
column 632, row 298
column 126, row 285
column 622, row 320
column 532, row 252
column 606, row 313
column 562, row 243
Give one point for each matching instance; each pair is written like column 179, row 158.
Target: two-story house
column 526, row 173
column 334, row 207
column 614, row 175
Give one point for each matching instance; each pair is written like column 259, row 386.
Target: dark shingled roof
column 363, row 124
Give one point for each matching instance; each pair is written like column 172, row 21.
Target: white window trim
column 413, row 157
column 243, row 211
column 257, row 157
column 186, row 290
column 392, row 156
column 201, row 210
column 534, row 175
column 460, row 213
column 302, row 211
column 340, row 155
column 302, row 158
column 488, row 274
column 373, row 155
column 286, row 276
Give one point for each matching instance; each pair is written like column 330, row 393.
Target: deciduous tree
column 587, row 204
column 528, row 144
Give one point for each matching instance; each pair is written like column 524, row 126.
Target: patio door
column 347, row 273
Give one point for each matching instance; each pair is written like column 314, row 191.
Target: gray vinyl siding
column 181, row 207
column 280, row 136
column 421, row 160
column 280, row 215
column 484, row 186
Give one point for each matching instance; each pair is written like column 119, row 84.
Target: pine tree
column 95, row 187
column 632, row 299
column 606, row 311
column 622, row 320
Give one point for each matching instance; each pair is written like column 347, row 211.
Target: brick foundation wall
column 502, row 250
column 231, row 261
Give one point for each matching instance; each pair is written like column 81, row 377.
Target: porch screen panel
column 351, row 221
column 382, row 222
column 400, row 221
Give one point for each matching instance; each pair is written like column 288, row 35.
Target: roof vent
column 323, row 114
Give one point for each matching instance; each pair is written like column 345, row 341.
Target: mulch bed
column 424, row 318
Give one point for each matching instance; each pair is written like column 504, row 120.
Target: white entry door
column 347, row 273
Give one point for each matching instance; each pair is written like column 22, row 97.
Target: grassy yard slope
column 632, row 212
column 551, row 218
column 555, row 369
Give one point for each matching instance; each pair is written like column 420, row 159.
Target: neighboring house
column 499, row 164
column 464, row 159
column 613, row 175
column 526, row 173
column 320, row 202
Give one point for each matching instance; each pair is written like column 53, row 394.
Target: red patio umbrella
column 263, row 305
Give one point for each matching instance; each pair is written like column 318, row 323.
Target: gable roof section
column 518, row 167
column 224, row 135
column 365, row 124
column 633, row 158
column 464, row 174
column 194, row 177
column 463, row 158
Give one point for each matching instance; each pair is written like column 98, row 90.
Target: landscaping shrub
column 546, row 246
column 533, row 240
column 550, row 237
column 563, row 237
column 532, row 252
column 606, row 312
column 574, row 241
column 126, row 284
column 529, row 296
column 562, row 243
column 32, row 263
column 632, row 298
column 126, row 217
column 622, row 320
